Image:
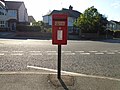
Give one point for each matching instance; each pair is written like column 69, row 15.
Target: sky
column 39, row 8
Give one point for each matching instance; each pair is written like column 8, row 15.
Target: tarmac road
column 88, row 57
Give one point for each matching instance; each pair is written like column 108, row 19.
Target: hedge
column 116, row 34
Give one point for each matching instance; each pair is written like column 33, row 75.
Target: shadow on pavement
column 63, row 84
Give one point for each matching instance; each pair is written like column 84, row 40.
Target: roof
column 31, row 19
column 2, row 5
column 70, row 13
column 115, row 22
column 13, row 4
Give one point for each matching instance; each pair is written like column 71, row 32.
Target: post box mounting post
column 59, row 62
column 59, row 35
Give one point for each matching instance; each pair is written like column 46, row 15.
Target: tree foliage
column 91, row 21
column 39, row 23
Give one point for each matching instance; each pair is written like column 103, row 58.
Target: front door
column 13, row 26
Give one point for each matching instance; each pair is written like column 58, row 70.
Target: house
column 31, row 20
column 3, row 17
column 15, row 13
column 72, row 16
column 113, row 25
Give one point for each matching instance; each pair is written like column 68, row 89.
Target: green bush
column 50, row 30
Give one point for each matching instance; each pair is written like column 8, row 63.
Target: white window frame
column 2, row 24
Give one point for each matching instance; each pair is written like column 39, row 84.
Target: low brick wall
column 95, row 36
column 89, row 35
column 73, row 37
column 33, row 34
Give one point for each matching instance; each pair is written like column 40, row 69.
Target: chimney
column 70, row 7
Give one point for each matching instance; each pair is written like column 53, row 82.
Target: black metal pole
column 59, row 62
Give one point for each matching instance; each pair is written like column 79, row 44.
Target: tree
column 91, row 21
column 41, row 24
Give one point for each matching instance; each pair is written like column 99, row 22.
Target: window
column 13, row 13
column 1, row 13
column 1, row 7
column 70, row 19
column 2, row 24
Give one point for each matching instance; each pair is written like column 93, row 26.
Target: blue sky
column 38, row 8
column 110, row 8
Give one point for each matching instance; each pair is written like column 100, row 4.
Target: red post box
column 59, row 29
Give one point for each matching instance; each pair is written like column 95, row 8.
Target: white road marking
column 17, row 54
column 118, row 52
column 93, row 51
column 1, row 54
column 99, row 53
column 79, row 51
column 69, row 53
column 4, row 51
column 51, row 51
column 114, row 50
column 17, row 51
column 71, row 73
column 66, row 51
column 111, row 53
column 104, row 51
column 34, row 51
column 85, row 53
column 34, row 67
column 52, row 54
column 36, row 54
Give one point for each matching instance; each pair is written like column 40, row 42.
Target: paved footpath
column 45, row 79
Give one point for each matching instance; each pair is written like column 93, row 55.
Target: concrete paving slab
column 95, row 83
column 67, row 79
column 44, row 81
column 24, row 82
column 38, row 78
